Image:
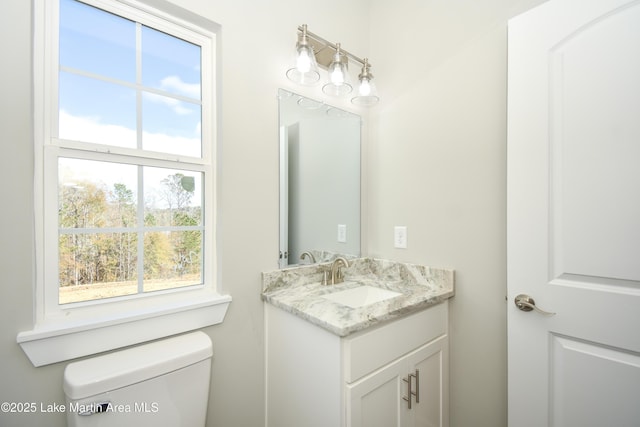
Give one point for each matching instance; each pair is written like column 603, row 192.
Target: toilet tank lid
column 126, row 367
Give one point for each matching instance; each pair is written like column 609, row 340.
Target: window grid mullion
column 136, row 86
column 140, row 207
column 107, row 230
column 139, row 84
column 140, row 227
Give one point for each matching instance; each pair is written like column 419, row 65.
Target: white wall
column 327, row 186
column 437, row 164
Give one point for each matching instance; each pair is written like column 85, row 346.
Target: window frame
column 62, row 332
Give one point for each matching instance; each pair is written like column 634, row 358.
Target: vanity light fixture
column 312, row 50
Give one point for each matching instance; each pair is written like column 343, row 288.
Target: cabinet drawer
column 366, row 352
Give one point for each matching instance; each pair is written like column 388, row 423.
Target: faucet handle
column 325, row 275
column 340, row 274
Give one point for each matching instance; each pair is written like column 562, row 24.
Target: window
column 125, row 144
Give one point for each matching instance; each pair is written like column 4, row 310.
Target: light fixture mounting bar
column 320, row 45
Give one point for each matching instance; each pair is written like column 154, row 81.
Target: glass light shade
column 339, row 82
column 367, row 94
column 305, row 71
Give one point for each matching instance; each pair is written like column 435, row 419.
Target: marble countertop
column 299, row 291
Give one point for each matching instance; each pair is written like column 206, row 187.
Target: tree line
column 99, row 257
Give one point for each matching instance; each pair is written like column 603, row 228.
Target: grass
column 69, row 294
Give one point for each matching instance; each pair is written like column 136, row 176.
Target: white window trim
column 82, row 329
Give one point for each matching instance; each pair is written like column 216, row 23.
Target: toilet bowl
column 164, row 383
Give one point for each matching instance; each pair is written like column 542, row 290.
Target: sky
column 103, row 45
column 98, row 97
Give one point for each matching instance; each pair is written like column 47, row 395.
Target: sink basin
column 361, row 296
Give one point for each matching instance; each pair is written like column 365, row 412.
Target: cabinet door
column 376, row 400
column 432, row 408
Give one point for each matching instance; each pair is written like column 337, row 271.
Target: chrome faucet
column 309, row 255
column 336, row 272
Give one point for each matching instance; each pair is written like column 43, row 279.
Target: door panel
column 573, row 209
column 585, row 377
column 376, row 399
column 594, row 104
column 430, row 361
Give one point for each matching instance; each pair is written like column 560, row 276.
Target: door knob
column 526, row 303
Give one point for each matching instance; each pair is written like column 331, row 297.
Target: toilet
column 164, row 383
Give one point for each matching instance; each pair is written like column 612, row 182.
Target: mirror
column 319, row 181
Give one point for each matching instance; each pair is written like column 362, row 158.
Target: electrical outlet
column 400, row 237
column 342, row 233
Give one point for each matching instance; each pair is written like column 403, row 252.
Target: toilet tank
column 163, row 383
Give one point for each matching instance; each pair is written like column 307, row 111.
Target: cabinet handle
column 410, row 392
column 408, row 380
column 417, row 377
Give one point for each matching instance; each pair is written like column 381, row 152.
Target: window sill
column 52, row 343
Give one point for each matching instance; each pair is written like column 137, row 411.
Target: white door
column 573, row 211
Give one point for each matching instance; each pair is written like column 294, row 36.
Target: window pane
column 171, row 126
column 96, row 111
column 96, row 266
column 172, row 259
column 172, row 197
column 96, row 41
column 170, row 63
column 94, row 194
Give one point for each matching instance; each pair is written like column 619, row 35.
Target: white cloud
column 176, row 105
column 90, row 129
column 175, row 84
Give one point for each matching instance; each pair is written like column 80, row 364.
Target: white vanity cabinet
column 316, row 378
column 381, row 399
